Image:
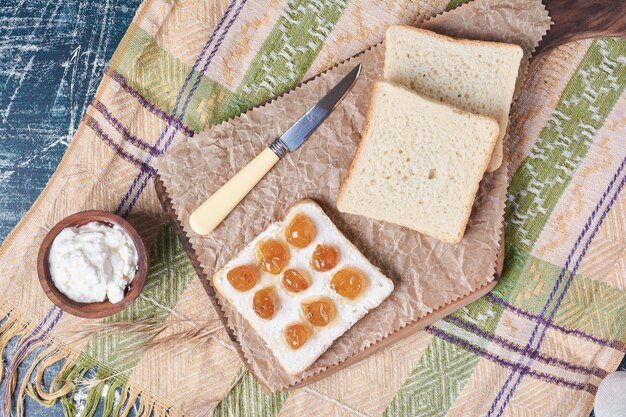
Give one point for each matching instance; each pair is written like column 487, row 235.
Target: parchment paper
column 428, row 274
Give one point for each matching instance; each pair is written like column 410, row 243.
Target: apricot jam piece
column 264, row 303
column 272, row 256
column 300, row 232
column 347, row 282
column 296, row 335
column 324, row 258
column 242, row 278
column 295, row 281
column 319, row 313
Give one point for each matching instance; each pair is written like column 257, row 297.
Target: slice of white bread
column 475, row 76
column 376, row 288
column 419, row 163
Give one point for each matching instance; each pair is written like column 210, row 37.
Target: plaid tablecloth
column 539, row 344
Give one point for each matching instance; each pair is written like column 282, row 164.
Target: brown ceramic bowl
column 91, row 310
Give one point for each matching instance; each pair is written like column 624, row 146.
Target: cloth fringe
column 68, row 381
column 10, row 329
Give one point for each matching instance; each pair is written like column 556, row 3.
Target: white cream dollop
column 93, row 262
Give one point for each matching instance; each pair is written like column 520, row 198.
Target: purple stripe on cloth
column 535, row 354
column 572, row 274
column 169, row 140
column 196, row 83
column 614, row 344
column 508, row 364
column 27, row 345
column 144, row 178
column 125, row 133
column 556, row 286
column 45, row 319
column 36, row 330
column 194, row 68
column 95, row 126
column 120, row 206
column 145, row 103
column 23, row 348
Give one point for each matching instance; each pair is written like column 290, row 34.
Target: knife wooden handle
column 210, row 214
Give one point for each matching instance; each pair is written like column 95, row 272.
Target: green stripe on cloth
column 482, row 313
column 528, row 281
column 595, row 308
column 247, row 398
column 212, row 104
column 581, row 111
column 159, row 77
column 435, row 383
column 290, row 49
column 512, row 271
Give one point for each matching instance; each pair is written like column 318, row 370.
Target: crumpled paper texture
column 427, row 273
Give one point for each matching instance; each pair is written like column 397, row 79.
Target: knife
column 210, row 214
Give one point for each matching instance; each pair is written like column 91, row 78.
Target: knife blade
column 214, row 210
column 300, row 131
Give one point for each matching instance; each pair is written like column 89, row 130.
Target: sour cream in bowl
column 92, row 264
